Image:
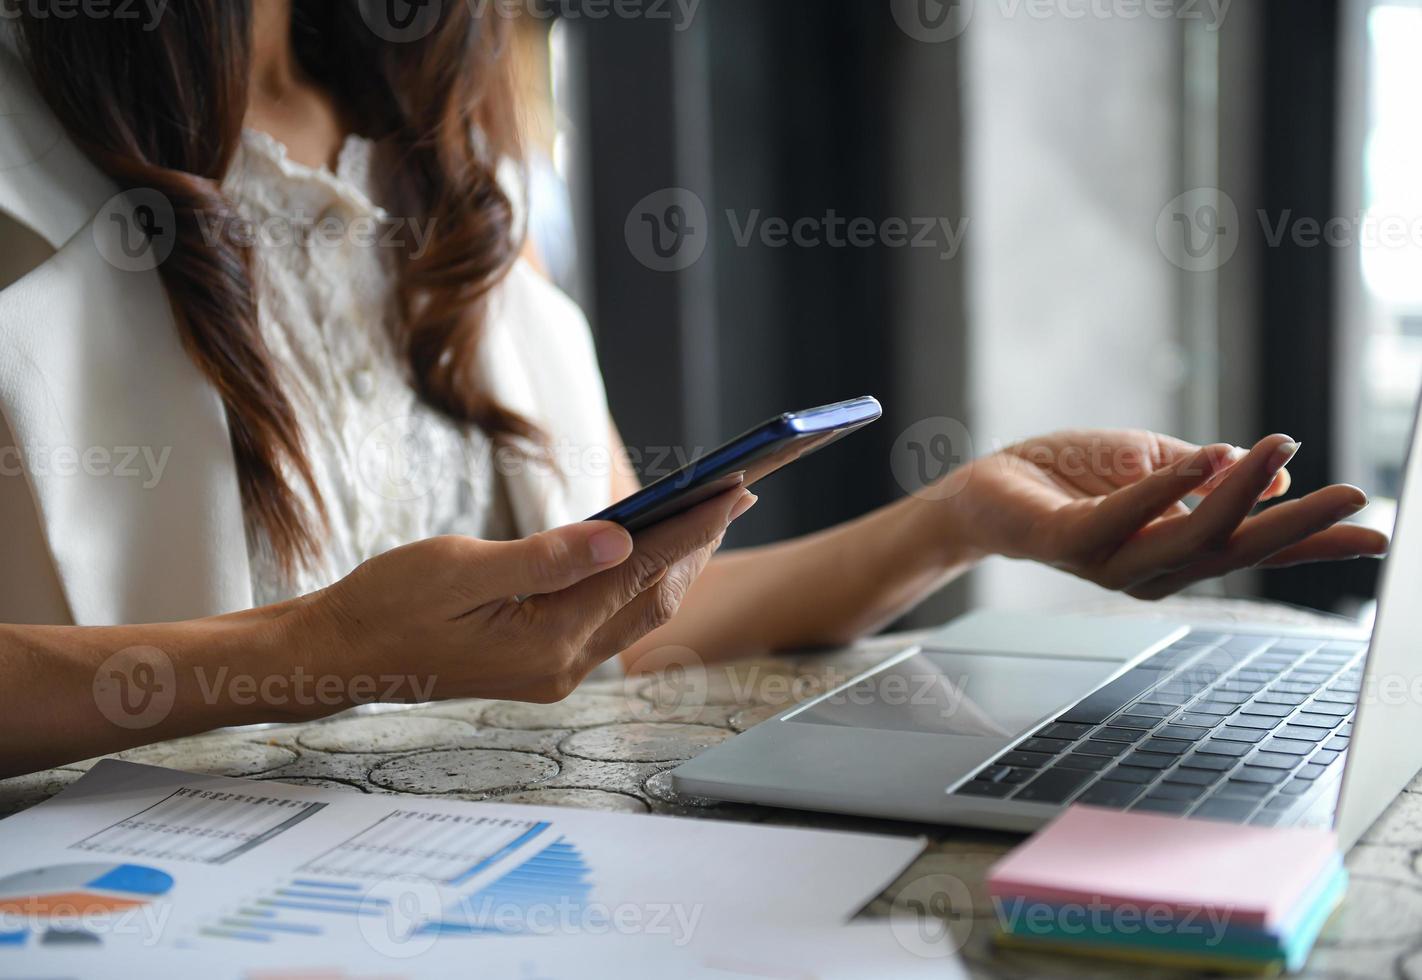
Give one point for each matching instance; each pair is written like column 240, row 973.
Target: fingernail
column 742, row 505
column 610, row 546
column 1349, row 509
column 1283, row 454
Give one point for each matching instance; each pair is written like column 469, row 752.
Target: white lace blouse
column 389, row 469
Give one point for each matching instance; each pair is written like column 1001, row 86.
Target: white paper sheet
column 133, row 864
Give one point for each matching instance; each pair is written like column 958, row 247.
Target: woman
column 284, row 370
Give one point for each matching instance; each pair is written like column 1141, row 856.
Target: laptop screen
column 1386, row 748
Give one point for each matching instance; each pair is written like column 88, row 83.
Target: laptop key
column 1337, row 697
column 1331, row 708
column 1177, row 791
column 1235, row 811
column 1086, row 763
column 1243, row 788
column 1309, row 719
column 1298, row 731
column 1209, row 707
column 1336, row 744
column 1232, row 697
column 1062, row 730
column 1265, row 708
column 1156, row 804
column 1109, row 792
column 984, row 787
column 1095, row 747
column 1258, row 722
column 1289, row 746
column 1168, row 745
column 1232, row 734
column 1152, row 710
column 1310, row 771
column 1054, row 786
column 1017, row 775
column 1218, row 747
column 1198, row 719
column 1259, row 774
column 1273, row 760
column 1296, row 787
column 1171, row 698
column 1193, row 777
column 1275, row 697
column 1119, row 734
column 1106, row 700
column 1051, row 746
column 1134, row 721
column 1149, row 760
column 1203, row 760
column 1324, row 757
column 1132, row 774
column 1027, row 760
column 1186, row 732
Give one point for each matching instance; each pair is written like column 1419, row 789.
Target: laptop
column 1001, row 720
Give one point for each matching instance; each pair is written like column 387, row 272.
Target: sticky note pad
column 1258, row 875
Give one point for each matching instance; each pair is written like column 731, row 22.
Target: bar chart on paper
column 207, row 826
column 442, row 847
column 453, row 875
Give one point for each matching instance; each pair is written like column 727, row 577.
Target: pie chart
column 49, row 901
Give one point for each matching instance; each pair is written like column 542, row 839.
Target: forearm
column 825, row 589
column 76, row 692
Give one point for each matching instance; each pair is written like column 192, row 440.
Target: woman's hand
column 446, row 612
column 1106, row 506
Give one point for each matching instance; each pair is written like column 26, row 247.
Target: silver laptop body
column 1002, row 719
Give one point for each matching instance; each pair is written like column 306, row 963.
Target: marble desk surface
column 610, row 747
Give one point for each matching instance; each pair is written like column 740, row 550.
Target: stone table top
column 610, row 746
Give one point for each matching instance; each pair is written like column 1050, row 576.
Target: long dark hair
column 160, row 105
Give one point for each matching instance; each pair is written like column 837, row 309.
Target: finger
column 1282, row 480
column 1174, row 544
column 1262, row 537
column 483, row 571
column 1123, row 513
column 1336, row 544
column 650, row 611
column 586, row 606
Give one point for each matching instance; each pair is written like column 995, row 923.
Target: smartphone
column 754, row 454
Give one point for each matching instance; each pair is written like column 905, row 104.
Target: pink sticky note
column 1257, row 874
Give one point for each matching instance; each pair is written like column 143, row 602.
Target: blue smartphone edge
column 744, row 449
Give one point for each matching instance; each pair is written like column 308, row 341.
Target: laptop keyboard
column 1239, row 727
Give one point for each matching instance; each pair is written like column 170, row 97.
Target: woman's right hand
column 446, row 611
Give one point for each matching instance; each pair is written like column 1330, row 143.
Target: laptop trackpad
column 960, row 694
